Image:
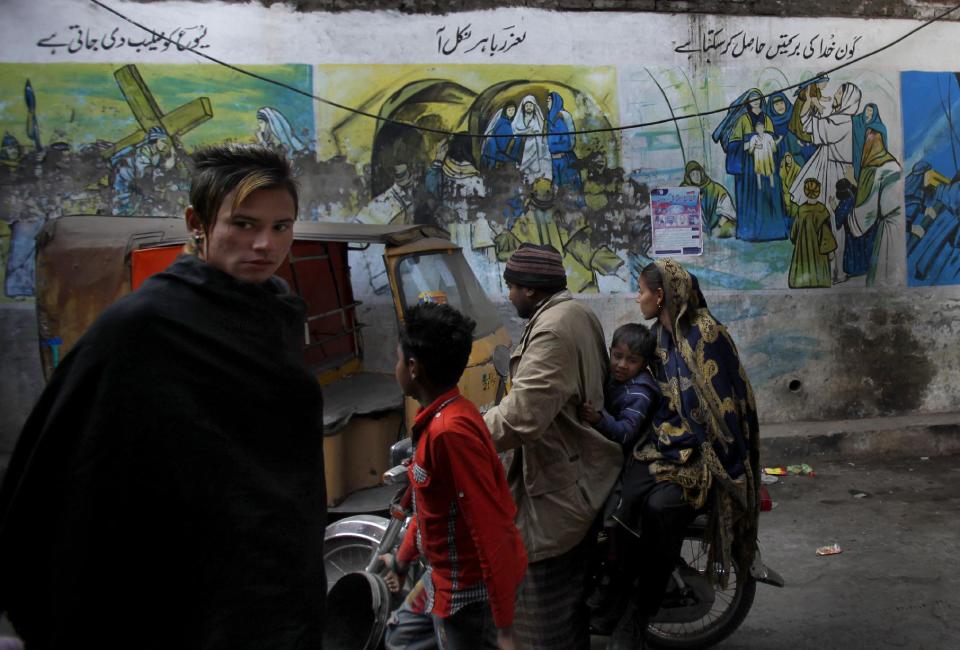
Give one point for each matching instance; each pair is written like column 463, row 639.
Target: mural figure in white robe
column 536, row 161
column 831, row 130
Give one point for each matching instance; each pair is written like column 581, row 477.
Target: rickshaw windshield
column 445, row 277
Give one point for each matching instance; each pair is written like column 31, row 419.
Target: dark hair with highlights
column 220, row 169
column 440, row 338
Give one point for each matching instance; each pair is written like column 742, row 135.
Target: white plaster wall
column 251, row 34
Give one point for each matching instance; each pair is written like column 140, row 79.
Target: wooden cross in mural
column 147, row 111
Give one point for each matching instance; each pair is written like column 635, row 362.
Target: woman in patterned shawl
column 702, row 452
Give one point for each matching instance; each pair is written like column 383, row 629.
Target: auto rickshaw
column 84, row 263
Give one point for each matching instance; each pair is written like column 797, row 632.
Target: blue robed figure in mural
column 934, row 258
column 501, row 146
column 561, row 141
column 914, row 198
column 780, row 111
column 747, row 136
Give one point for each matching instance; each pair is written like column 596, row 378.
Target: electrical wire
column 609, row 129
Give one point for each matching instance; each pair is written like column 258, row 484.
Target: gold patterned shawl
column 706, row 433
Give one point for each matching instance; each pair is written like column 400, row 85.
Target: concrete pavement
column 897, row 582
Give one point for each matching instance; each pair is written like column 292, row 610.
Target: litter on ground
column 833, row 549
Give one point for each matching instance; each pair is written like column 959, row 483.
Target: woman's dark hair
column 220, row 169
column 637, row 338
column 652, row 277
column 440, row 338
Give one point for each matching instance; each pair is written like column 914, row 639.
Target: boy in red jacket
column 463, row 525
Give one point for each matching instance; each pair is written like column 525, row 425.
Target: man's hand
column 396, row 572
column 589, row 414
column 505, row 640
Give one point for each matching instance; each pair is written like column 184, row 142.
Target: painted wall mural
column 822, row 207
column 931, row 121
column 799, row 190
column 790, row 181
column 102, row 139
column 525, row 180
column 789, row 199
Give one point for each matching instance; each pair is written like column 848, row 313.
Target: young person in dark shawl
column 701, row 453
column 167, row 490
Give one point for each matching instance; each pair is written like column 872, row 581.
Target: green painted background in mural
column 82, row 103
column 116, row 139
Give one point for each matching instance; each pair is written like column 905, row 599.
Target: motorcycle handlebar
column 396, row 475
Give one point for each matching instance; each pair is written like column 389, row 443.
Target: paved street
column 897, row 582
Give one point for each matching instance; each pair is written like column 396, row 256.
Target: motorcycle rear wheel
column 729, row 609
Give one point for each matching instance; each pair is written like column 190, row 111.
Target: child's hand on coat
column 588, row 413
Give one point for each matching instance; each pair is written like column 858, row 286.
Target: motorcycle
column 694, row 614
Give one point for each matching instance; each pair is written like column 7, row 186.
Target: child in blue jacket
column 631, row 392
column 631, row 395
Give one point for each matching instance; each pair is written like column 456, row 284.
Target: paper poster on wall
column 676, row 225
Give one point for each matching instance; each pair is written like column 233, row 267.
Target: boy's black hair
column 440, row 338
column 638, row 339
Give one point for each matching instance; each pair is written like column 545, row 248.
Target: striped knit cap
column 536, row 267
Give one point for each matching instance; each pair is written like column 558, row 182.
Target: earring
column 659, row 305
column 197, row 242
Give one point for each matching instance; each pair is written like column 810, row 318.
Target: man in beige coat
column 562, row 469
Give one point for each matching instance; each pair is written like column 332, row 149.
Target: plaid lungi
column 550, row 612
